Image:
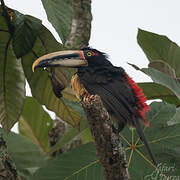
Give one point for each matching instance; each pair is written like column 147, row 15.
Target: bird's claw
column 88, row 98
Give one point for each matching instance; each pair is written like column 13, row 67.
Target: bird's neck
column 101, row 70
column 103, row 74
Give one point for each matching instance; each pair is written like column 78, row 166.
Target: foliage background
column 167, row 132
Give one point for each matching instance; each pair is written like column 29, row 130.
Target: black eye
column 89, row 53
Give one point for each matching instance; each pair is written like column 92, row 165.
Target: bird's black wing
column 114, row 91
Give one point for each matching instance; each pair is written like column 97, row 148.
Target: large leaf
column 163, row 67
column 23, row 151
column 157, row 91
column 176, row 118
column 25, row 35
column 163, row 139
column 71, row 132
column 60, row 14
column 80, row 163
column 12, row 80
column 162, row 79
column 158, row 47
column 35, row 123
column 40, row 83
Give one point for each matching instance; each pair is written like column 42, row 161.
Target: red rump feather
column 141, row 99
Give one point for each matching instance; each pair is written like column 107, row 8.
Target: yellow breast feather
column 78, row 88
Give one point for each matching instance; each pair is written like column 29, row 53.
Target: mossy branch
column 7, row 166
column 108, row 144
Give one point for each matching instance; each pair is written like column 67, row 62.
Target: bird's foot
column 87, row 99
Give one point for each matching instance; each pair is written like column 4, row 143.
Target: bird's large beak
column 69, row 58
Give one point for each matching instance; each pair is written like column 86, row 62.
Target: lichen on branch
column 107, row 142
column 81, row 25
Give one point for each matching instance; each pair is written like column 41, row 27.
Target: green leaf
column 80, row 163
column 12, row 80
column 23, row 151
column 163, row 79
column 60, row 14
column 157, row 91
column 176, row 118
column 71, row 132
column 35, row 123
column 25, row 35
column 40, row 82
column 163, row 67
column 159, row 47
column 86, row 136
column 163, row 140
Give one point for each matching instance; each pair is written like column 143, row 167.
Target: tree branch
column 81, row 25
column 7, row 166
column 108, row 144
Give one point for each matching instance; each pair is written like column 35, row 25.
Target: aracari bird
column 121, row 96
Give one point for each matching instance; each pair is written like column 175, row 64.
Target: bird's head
column 86, row 57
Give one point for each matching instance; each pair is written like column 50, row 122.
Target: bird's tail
column 143, row 139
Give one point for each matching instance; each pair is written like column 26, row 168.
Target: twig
column 108, row 145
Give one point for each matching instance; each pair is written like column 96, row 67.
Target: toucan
column 121, row 96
